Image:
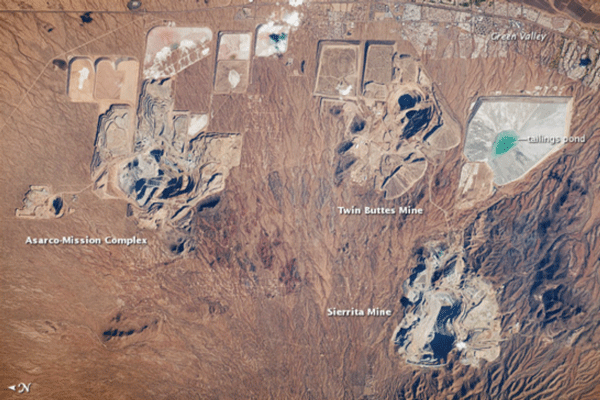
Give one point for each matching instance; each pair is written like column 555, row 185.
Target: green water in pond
column 505, row 141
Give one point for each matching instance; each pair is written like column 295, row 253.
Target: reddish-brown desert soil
column 243, row 313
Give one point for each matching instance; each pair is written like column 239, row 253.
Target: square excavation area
column 105, row 80
column 231, row 76
column 378, row 70
column 337, row 74
column 169, row 50
column 108, row 80
column 513, row 134
column 80, row 86
column 271, row 39
column 234, row 46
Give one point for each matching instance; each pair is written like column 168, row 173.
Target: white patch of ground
column 345, row 91
column 292, row 19
column 234, row 78
column 84, row 73
column 197, row 123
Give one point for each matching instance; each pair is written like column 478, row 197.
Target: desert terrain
column 233, row 141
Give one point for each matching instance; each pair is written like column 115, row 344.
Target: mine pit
column 447, row 309
column 401, row 172
column 40, row 202
column 406, row 101
column 389, row 139
column 165, row 165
